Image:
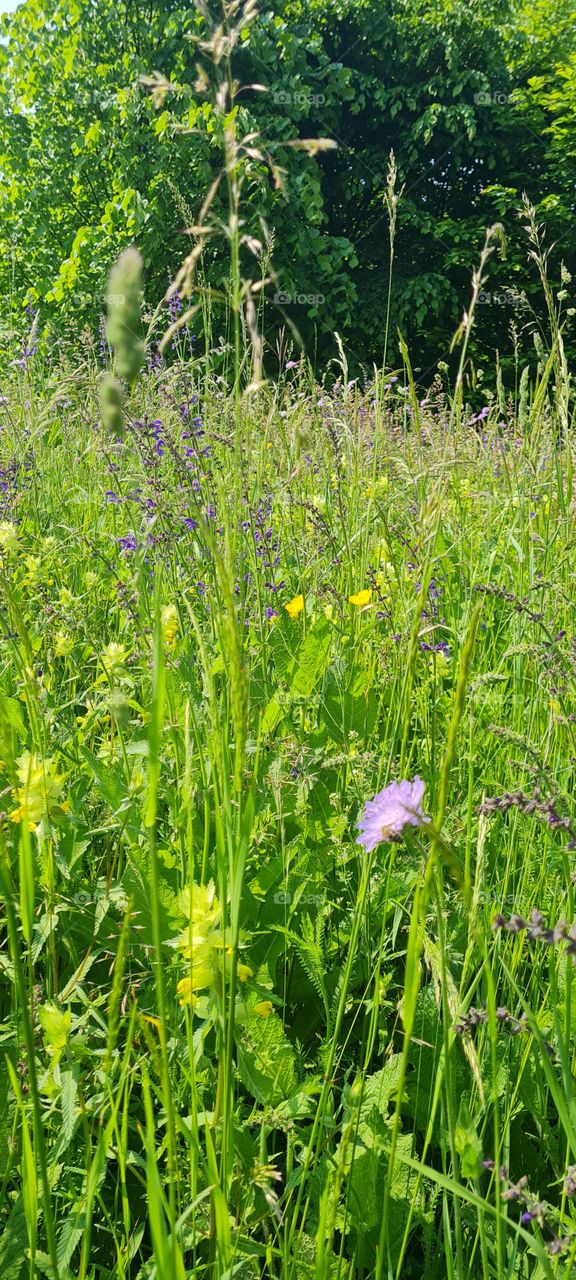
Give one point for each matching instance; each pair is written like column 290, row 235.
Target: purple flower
column 386, row 816
column 128, row 543
column 110, row 496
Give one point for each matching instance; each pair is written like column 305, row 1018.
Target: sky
column 8, row 6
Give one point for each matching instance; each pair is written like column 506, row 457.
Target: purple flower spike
column 386, row 816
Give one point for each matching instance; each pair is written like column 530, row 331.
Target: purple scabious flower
column 386, row 816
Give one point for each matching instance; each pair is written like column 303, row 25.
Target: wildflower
column 8, row 537
column 39, row 790
column 170, row 625
column 128, row 543
column 55, row 1024
column 114, row 656
column 203, row 944
column 361, row 598
column 185, row 993
column 294, row 606
column 202, row 953
column 387, row 816
column 380, row 486
column 63, row 644
column 263, row 1009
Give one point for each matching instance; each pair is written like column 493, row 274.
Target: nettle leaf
column 14, row 1242
column 266, row 1060
column 366, row 1159
column 11, row 714
column 70, row 1237
column 379, row 1090
column 284, row 641
column 4, row 1112
column 136, row 885
column 348, row 706
column 69, row 1082
column 108, row 782
column 299, row 1106
column 313, row 659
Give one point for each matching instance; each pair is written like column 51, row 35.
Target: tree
column 477, row 103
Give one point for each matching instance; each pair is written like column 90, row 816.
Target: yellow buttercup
column 361, row 598
column 294, row 606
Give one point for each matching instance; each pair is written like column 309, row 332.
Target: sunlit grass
column 222, row 635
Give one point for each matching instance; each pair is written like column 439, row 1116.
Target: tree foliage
column 477, row 102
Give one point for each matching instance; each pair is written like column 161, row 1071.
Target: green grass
column 165, row 723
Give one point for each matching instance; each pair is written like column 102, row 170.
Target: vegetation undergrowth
column 287, row 763
column 236, row 1041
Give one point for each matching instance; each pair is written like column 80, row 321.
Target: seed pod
column 111, row 403
column 124, row 300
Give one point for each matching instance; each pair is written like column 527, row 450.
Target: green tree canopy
column 477, row 102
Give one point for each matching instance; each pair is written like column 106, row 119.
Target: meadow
column 241, row 1036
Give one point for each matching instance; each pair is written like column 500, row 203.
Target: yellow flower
column 381, row 485
column 361, row 598
column 294, row 606
column 185, row 993
column 39, row 790
column 263, row 1009
column 114, row 656
column 201, row 905
column 63, row 644
column 8, row 537
column 202, row 956
column 170, row 625
column 202, row 943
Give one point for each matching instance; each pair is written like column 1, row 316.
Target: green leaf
column 313, row 659
column 266, row 1060
column 69, row 1083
